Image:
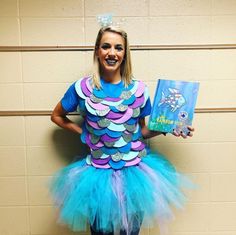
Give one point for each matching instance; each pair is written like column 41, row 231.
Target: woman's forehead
column 112, row 37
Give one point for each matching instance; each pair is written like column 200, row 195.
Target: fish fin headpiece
column 105, row 20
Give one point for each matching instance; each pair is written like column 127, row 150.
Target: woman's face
column 111, row 52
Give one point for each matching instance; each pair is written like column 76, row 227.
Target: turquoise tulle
column 119, row 199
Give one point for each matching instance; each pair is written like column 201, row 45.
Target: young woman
column 121, row 184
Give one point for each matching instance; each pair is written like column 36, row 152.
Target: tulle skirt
column 119, row 199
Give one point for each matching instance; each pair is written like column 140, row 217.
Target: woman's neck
column 112, row 77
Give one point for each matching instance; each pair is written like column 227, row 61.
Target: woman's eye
column 105, row 47
column 119, row 48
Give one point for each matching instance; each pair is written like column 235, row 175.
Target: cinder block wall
column 32, row 148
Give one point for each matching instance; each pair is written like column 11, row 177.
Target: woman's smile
column 111, row 62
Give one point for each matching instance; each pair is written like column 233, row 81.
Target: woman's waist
column 116, row 160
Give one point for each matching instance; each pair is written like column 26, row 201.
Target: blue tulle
column 119, row 199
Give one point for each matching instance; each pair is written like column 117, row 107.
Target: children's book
column 173, row 106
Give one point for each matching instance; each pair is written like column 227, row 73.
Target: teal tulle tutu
column 119, row 199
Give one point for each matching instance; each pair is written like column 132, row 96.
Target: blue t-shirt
column 71, row 100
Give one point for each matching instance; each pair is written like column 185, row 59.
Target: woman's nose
column 112, row 51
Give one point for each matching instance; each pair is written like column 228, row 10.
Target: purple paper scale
column 96, row 106
column 114, row 115
column 139, row 148
column 133, row 162
column 91, row 145
column 107, row 138
column 112, row 99
column 140, row 89
column 101, row 161
column 136, row 144
column 94, row 125
column 127, row 115
column 137, row 103
column 106, row 166
column 84, row 88
column 88, row 84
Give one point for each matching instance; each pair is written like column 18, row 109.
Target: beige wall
column 32, row 148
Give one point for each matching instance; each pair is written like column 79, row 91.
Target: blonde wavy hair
column 126, row 67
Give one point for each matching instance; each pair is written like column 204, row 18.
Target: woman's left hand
column 189, row 134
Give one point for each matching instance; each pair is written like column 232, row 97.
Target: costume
column 121, row 184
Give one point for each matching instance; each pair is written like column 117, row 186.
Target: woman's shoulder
column 85, row 81
column 83, row 86
column 141, row 89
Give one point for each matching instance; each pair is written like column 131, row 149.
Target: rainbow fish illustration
column 174, row 99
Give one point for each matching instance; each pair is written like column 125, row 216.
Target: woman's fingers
column 190, row 128
column 175, row 133
column 182, row 134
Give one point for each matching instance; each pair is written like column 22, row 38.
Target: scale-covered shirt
column 111, row 120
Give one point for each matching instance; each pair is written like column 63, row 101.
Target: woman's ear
column 96, row 51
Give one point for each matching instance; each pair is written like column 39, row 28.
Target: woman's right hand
column 58, row 116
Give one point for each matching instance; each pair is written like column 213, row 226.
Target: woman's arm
column 146, row 133
column 58, row 116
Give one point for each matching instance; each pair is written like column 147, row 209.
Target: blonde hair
column 126, row 67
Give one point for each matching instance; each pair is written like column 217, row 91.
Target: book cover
column 173, row 106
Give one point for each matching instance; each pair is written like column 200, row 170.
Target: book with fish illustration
column 173, row 106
